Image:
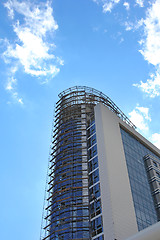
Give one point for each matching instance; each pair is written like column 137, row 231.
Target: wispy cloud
column 31, row 48
column 155, row 138
column 152, row 86
column 150, row 49
column 140, row 117
column 140, row 3
column 11, row 88
column 107, row 5
column 11, row 83
column 16, row 98
column 129, row 26
column 126, row 5
column 133, row 25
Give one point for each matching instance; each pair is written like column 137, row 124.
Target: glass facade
column 143, row 202
column 152, row 165
column 69, row 199
column 75, row 202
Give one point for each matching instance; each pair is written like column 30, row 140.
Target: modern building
column 104, row 177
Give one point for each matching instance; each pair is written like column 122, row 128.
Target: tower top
column 95, row 96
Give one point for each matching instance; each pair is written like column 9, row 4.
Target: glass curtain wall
column 143, row 202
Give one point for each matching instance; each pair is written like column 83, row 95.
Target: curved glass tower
column 73, row 206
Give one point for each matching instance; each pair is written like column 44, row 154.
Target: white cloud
column 31, row 49
column 151, row 44
column 150, row 49
column 155, row 138
column 140, row 117
column 38, row 18
column 34, row 27
column 140, row 3
column 107, row 5
column 11, row 88
column 129, row 26
column 11, row 83
column 126, row 5
column 17, row 98
column 152, row 86
column 60, row 61
column 144, row 111
column 133, row 26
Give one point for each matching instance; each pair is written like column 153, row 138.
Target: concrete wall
column 119, row 220
column 150, row 233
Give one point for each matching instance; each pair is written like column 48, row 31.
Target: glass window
column 91, row 130
column 92, row 152
column 91, row 141
column 93, row 177
column 93, row 164
column 142, row 197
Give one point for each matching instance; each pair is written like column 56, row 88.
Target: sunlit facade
column 100, row 183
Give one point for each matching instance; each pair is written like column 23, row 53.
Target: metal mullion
column 66, row 151
column 58, row 119
column 58, row 136
column 78, row 216
column 64, row 144
column 59, row 106
column 64, row 158
column 72, row 130
column 73, row 188
column 65, row 108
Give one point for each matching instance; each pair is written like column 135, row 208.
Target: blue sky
column 48, row 46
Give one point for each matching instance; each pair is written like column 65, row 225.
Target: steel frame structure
column 66, row 208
